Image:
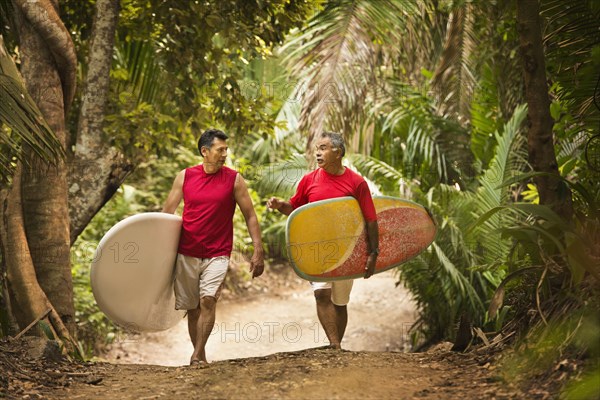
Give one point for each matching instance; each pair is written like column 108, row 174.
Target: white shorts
column 196, row 278
column 340, row 290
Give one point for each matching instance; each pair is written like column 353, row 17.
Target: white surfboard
column 132, row 272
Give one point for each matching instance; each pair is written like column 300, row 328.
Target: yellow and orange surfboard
column 326, row 240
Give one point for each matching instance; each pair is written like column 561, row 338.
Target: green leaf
column 46, row 329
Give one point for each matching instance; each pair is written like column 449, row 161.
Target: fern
column 489, row 195
column 458, row 279
column 484, row 111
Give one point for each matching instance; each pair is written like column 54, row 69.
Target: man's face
column 326, row 154
column 216, row 154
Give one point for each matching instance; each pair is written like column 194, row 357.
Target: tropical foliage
column 430, row 96
column 439, row 116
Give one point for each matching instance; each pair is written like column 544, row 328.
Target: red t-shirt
column 321, row 185
column 209, row 204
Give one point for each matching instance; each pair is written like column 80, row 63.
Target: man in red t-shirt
column 329, row 181
column 210, row 192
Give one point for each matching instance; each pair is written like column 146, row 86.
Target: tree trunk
column 96, row 170
column 48, row 60
column 42, row 16
column 453, row 82
column 552, row 191
column 28, row 299
column 93, row 182
column 446, row 74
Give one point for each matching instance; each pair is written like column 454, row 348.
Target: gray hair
column 337, row 141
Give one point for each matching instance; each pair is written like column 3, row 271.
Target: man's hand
column 257, row 263
column 373, row 238
column 370, row 266
column 274, row 203
column 283, row 207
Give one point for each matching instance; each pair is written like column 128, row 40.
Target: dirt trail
column 306, row 374
column 268, row 346
column 379, row 317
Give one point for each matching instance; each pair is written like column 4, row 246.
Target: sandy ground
column 380, row 315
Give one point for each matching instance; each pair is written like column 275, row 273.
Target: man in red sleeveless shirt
column 210, row 192
column 329, row 181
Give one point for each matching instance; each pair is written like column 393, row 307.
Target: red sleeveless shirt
column 209, row 204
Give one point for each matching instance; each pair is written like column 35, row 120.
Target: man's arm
column 373, row 238
column 175, row 195
column 284, row 207
column 243, row 200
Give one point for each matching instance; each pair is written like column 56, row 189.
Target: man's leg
column 341, row 319
column 326, row 312
column 204, row 326
column 211, row 280
column 340, row 296
column 192, row 318
column 186, row 285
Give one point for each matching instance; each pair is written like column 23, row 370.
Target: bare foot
column 330, row 347
column 198, row 363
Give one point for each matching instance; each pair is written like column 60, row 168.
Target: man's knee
column 341, row 309
column 323, row 296
column 208, row 303
column 194, row 313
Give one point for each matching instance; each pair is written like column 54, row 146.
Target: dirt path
column 268, row 345
column 379, row 317
column 306, row 374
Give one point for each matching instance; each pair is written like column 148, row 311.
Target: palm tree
column 398, row 79
column 337, row 59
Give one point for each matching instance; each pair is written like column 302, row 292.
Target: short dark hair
column 206, row 139
column 337, row 141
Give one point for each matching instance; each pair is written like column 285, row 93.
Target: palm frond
column 372, row 167
column 460, row 282
column 281, row 178
column 490, row 195
column 421, row 142
column 570, row 151
column 463, row 262
column 442, row 279
column 571, row 38
column 262, row 149
column 572, row 148
column 454, row 79
column 25, row 122
column 485, row 116
column 143, row 68
column 335, row 59
column 432, row 147
column 389, row 180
